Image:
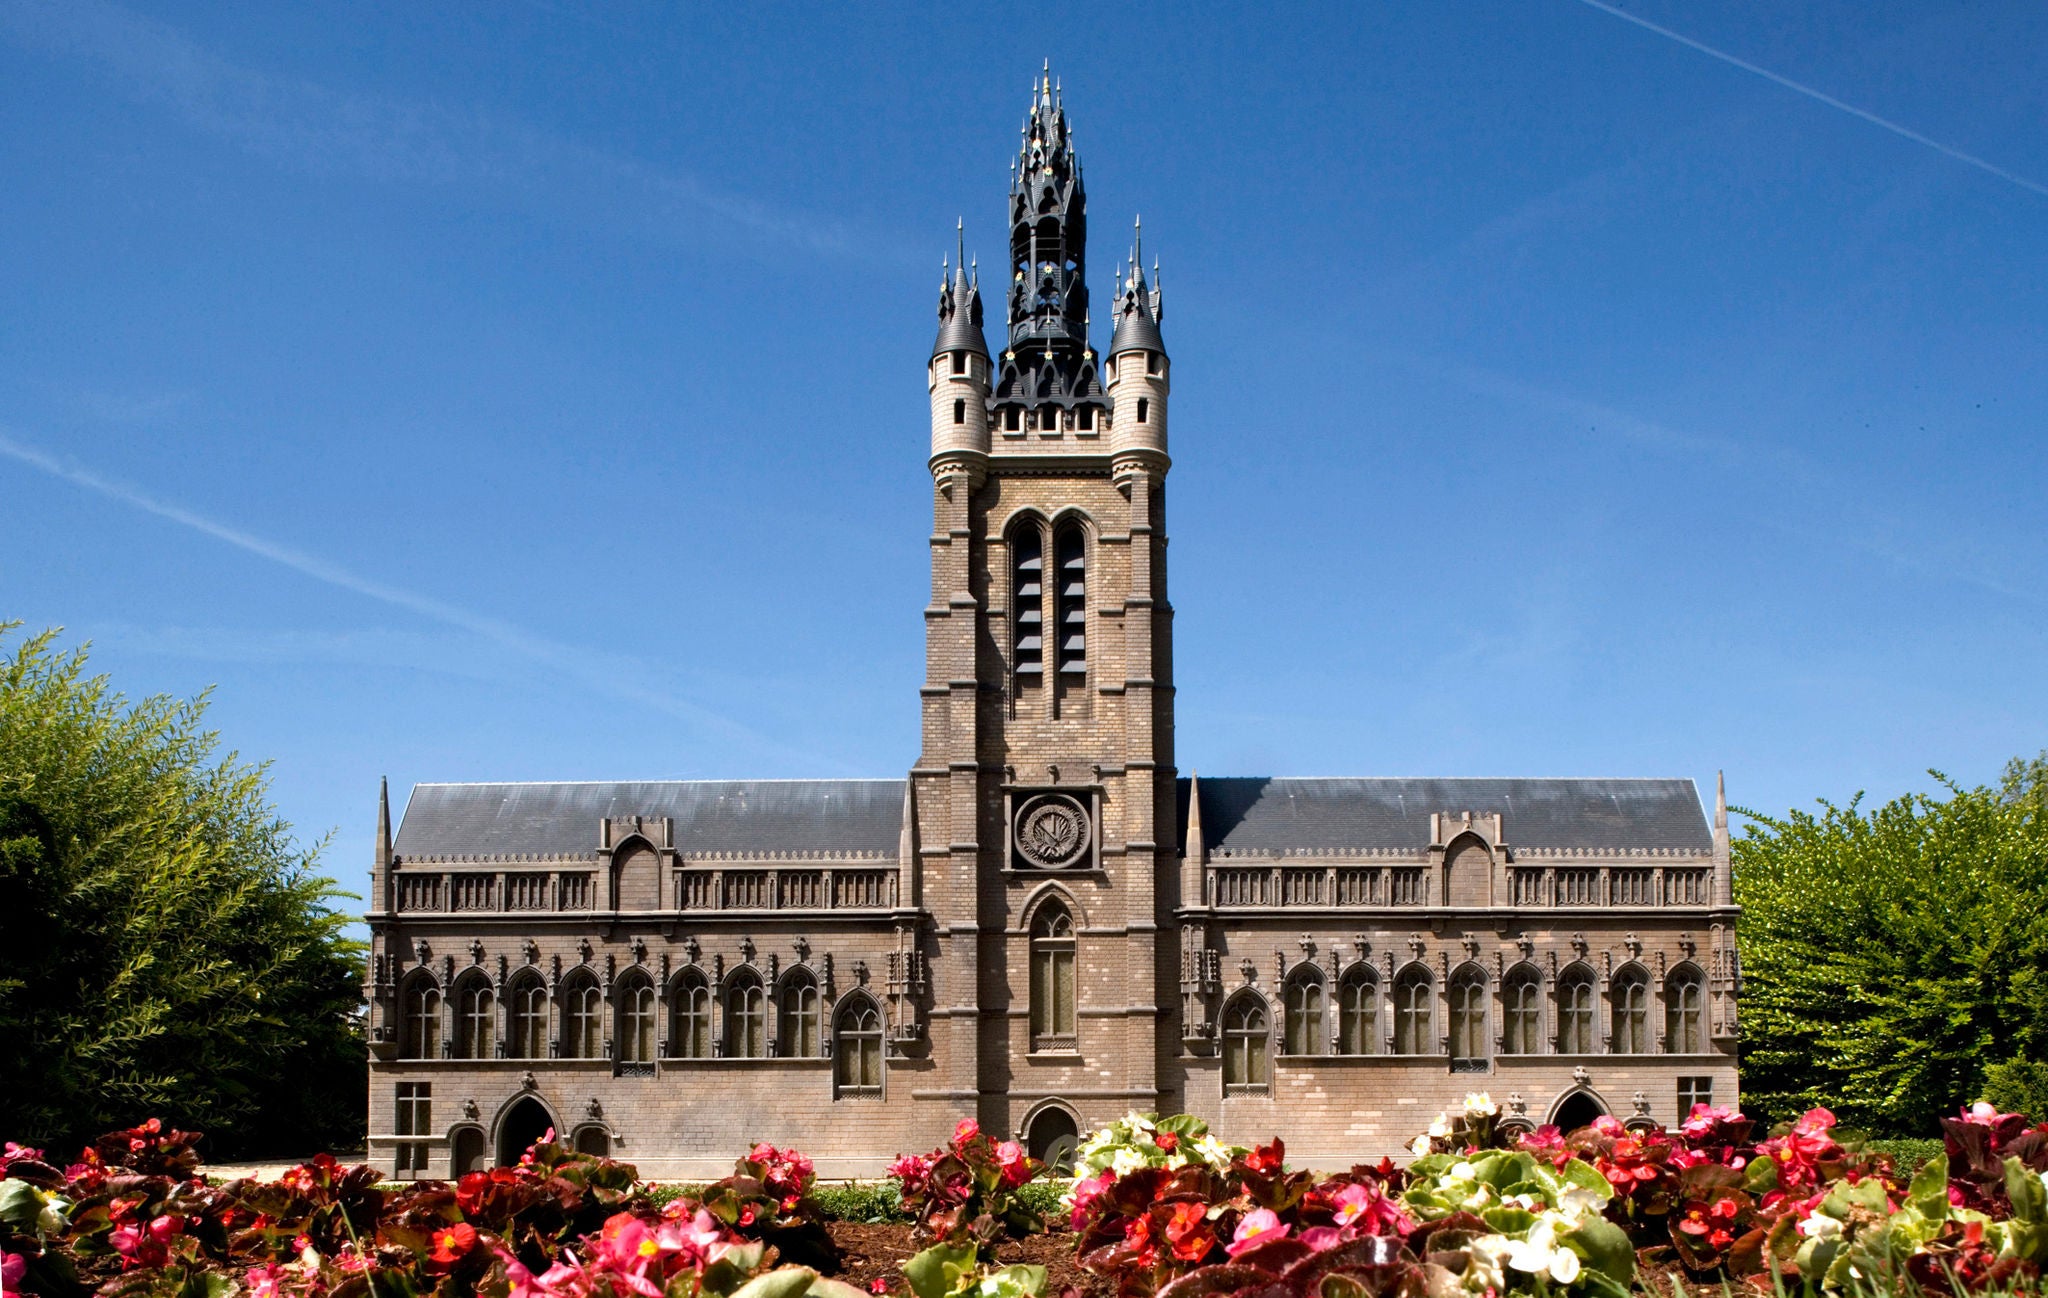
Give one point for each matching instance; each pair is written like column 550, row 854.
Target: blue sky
column 535, row 391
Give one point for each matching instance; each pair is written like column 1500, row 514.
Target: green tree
column 1891, row 957
column 165, row 948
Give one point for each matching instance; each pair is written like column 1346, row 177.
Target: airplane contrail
column 566, row 659
column 1904, row 132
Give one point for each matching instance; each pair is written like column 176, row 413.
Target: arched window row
column 1468, row 1024
column 744, row 1018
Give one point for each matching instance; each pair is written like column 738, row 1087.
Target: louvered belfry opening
column 1070, row 605
column 1028, row 608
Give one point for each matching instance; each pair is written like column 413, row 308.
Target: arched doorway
column 523, row 1124
column 1051, row 1138
column 469, row 1153
column 1578, row 1110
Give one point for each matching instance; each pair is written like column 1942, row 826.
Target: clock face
column 1052, row 832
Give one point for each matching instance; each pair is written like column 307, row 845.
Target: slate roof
column 1262, row 816
column 1240, row 815
column 750, row 817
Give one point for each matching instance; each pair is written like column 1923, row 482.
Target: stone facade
column 1044, row 925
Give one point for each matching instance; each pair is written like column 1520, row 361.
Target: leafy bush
column 169, row 950
column 968, row 1190
column 1908, row 1154
column 2017, row 1086
column 1888, row 955
column 868, row 1201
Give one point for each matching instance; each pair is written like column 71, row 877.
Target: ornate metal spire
column 1048, row 358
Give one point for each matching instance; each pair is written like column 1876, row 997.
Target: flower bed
column 1158, row 1209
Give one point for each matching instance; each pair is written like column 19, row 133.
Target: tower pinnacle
column 1048, row 358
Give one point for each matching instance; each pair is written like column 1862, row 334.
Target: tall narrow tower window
column 1030, row 603
column 1071, row 606
column 959, row 362
column 960, row 411
column 1144, row 408
column 1084, row 418
column 1052, row 980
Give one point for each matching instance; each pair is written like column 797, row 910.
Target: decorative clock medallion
column 1053, row 832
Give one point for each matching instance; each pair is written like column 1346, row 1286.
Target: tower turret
column 1048, row 371
column 1138, row 378
column 960, row 368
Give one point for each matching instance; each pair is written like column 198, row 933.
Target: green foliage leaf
column 935, row 1272
column 1604, row 1247
column 782, row 1282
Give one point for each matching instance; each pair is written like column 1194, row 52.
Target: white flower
column 1126, row 1161
column 1419, row 1146
column 1461, row 1171
column 1440, row 1128
column 1486, row 1255
column 1564, row 1266
column 1213, row 1151
column 1820, row 1226
column 1578, row 1203
column 1478, row 1104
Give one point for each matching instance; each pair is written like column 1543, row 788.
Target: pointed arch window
column 635, row 1032
column 1521, row 1009
column 1468, row 1021
column 1246, row 1040
column 1684, row 1025
column 527, row 1003
column 1575, row 1011
column 1412, row 993
column 1304, row 1026
column 796, row 1028
column 745, row 1018
column 1358, row 1013
column 1631, row 1013
column 1053, row 993
column 857, row 1048
column 582, row 1018
column 419, row 1029
column 1070, row 605
column 1028, row 607
column 689, row 1030
column 476, row 1020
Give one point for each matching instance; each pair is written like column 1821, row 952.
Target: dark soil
column 879, row 1250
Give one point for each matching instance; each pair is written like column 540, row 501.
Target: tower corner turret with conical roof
column 1139, row 381
column 960, row 371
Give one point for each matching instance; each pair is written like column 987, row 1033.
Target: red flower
column 1167, row 1141
column 1267, row 1158
column 1188, row 1233
column 453, row 1243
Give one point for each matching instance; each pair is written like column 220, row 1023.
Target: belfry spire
column 1139, row 307
column 1048, row 358
column 960, row 304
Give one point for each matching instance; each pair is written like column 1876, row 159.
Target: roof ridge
column 764, row 779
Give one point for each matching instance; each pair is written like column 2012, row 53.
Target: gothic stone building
column 1045, row 925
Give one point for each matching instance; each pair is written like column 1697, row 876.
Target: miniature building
column 1045, row 925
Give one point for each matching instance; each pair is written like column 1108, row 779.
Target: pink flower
column 912, row 1170
column 1015, row 1163
column 263, row 1281
column 1351, row 1201
column 1087, row 1190
column 967, row 1130
column 1322, row 1238
column 1257, row 1227
column 13, row 1266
